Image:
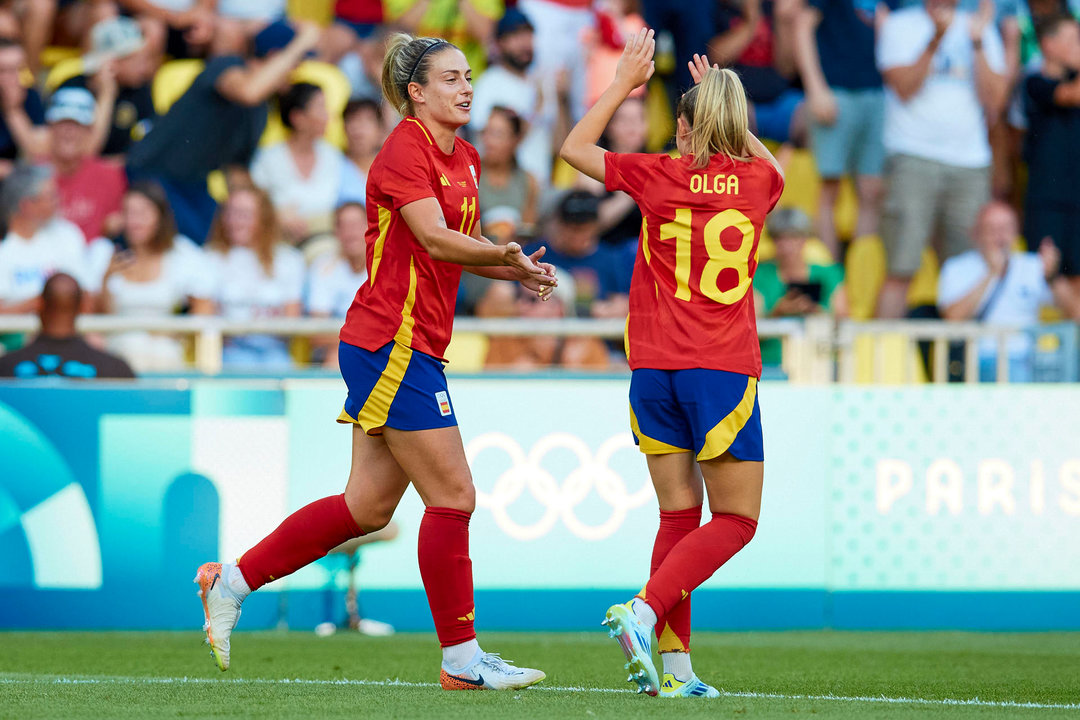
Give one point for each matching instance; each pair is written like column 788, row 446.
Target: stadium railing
column 816, row 350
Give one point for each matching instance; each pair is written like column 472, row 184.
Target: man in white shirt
column 532, row 96
column 39, row 243
column 943, row 71
column 995, row 284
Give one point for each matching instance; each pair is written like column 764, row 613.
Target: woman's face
column 789, row 247
column 498, row 139
column 350, row 228
column 364, row 132
column 628, row 129
column 311, row 120
column 447, row 97
column 141, row 218
column 241, row 218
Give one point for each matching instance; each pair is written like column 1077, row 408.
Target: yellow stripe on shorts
column 377, row 406
column 648, row 445
column 719, row 439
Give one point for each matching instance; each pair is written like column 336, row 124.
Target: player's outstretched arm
column 426, row 221
column 635, row 68
column 540, row 284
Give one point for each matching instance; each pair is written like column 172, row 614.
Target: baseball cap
column 511, row 21
column 274, row 37
column 72, row 103
column 112, row 38
column 579, row 207
column 788, row 221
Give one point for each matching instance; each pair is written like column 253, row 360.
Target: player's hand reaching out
column 541, row 285
column 699, row 66
column 538, row 277
column 636, row 65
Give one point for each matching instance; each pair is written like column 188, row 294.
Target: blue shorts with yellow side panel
column 707, row 412
column 394, row 386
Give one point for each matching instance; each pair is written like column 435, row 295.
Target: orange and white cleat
column 489, row 672
column 221, row 608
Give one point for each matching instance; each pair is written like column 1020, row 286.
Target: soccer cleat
column 674, row 688
column 633, row 637
column 221, row 608
column 489, row 672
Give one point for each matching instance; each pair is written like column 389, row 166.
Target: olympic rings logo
column 559, row 501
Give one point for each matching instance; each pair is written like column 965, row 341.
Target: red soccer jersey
column 409, row 297
column 691, row 300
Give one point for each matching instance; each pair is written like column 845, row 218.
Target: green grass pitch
column 764, row 675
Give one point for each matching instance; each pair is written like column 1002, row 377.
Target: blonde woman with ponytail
column 692, row 344
column 422, row 232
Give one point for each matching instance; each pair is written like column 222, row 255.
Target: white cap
column 72, row 103
column 111, row 39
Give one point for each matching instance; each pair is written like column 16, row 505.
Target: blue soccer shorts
column 707, row 412
column 394, row 386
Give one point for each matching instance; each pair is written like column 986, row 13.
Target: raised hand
column 1050, row 256
column 636, row 65
column 981, row 19
column 698, row 67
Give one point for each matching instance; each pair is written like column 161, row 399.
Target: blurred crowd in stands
column 210, row 157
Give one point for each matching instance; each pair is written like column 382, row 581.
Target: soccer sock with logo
column 678, row 664
column 673, row 629
column 302, row 538
column 445, row 567
column 695, row 559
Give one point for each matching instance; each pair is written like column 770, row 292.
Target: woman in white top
column 154, row 272
column 303, row 173
column 256, row 275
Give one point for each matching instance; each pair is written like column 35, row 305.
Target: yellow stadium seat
column 923, row 289
column 172, row 80
column 897, row 360
column 54, row 54
column 63, row 71
column 864, row 273
column 319, row 11
column 467, row 352
column 335, row 87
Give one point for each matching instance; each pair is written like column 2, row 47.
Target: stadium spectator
column 256, row 275
column 179, row 28
column 628, row 131
column 560, row 27
column 468, row 24
column 14, row 94
column 356, row 22
column 517, row 83
column 690, row 24
column 996, row 284
column 533, row 352
column 504, row 183
column 302, row 174
column 154, row 272
column 39, row 243
column 59, row 350
column 789, row 285
column 238, row 21
column 616, row 20
column 364, row 135
column 1052, row 209
column 90, row 187
column 362, row 67
column 756, row 39
column 335, row 277
column 601, row 274
column 943, row 70
column 834, row 49
column 217, row 123
column 120, row 41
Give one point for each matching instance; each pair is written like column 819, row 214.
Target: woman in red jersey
column 422, row 230
column 693, row 344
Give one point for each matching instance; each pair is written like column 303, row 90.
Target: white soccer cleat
column 489, row 672
column 221, row 608
column 633, row 636
column 671, row 687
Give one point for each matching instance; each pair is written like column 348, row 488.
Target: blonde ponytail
column 407, row 60
column 716, row 111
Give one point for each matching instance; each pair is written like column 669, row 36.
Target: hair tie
column 421, row 58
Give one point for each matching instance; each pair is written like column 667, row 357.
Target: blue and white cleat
column 674, row 688
column 633, row 636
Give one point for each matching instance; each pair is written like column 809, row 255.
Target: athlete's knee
column 370, row 515
column 745, row 527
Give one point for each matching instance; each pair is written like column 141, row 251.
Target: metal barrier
column 816, row 350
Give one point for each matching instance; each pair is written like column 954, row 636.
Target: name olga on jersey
column 719, row 184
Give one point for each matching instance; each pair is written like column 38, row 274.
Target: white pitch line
column 24, row 679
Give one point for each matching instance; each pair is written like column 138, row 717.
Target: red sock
column 673, row 629
column 302, row 538
column 445, row 567
column 695, row 559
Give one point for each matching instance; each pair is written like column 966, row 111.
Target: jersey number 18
column 720, row 258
